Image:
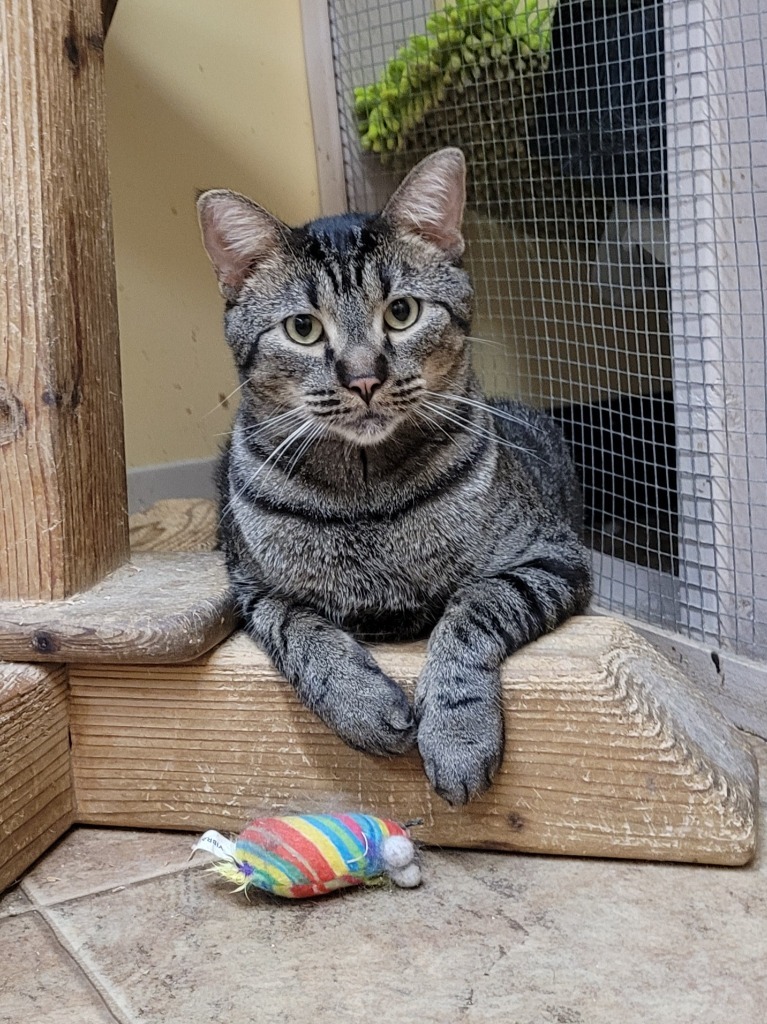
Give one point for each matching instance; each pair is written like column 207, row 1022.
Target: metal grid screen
column 617, row 155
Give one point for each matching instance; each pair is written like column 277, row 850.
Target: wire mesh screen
column 617, row 155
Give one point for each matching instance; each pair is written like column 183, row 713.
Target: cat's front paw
column 369, row 711
column 460, row 738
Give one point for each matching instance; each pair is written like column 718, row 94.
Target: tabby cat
column 368, row 491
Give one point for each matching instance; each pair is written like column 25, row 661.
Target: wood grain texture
column 63, row 520
column 36, row 798
column 158, row 608
column 609, row 752
column 175, row 524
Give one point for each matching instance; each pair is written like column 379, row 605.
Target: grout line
column 112, row 887
column 33, row 890
column 12, row 914
column 18, row 911
column 120, row 1013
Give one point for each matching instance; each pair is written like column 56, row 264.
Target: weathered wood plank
column 36, row 797
column 175, row 524
column 610, row 752
column 63, row 520
column 158, row 608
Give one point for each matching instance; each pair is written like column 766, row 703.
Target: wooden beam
column 63, row 520
column 36, row 798
column 609, row 752
column 157, row 608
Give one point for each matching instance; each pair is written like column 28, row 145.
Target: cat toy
column 303, row 855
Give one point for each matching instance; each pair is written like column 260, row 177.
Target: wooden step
column 36, row 795
column 610, row 752
column 160, row 607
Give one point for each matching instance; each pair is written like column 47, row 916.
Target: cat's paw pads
column 461, row 749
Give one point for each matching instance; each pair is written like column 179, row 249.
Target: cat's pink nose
column 365, row 387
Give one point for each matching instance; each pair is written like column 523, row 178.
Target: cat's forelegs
column 333, row 675
column 458, row 696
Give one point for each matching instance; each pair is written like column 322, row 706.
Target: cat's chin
column 370, row 430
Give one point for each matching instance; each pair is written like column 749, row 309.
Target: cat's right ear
column 236, row 233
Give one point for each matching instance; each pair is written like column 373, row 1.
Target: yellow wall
column 200, row 94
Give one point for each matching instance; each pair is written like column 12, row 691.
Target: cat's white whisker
column 473, row 428
column 493, row 410
column 281, row 419
column 272, row 457
column 283, row 448
column 315, row 435
column 262, row 426
column 485, row 341
column 226, row 398
column 418, row 412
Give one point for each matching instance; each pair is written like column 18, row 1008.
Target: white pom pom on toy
column 397, row 852
column 399, row 857
column 408, row 877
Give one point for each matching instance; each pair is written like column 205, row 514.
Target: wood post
column 63, row 516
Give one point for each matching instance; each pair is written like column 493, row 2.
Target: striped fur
column 421, row 511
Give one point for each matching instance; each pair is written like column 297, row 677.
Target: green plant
column 461, row 39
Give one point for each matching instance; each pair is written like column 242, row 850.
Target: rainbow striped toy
column 302, row 855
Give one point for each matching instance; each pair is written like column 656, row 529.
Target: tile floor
column 117, row 926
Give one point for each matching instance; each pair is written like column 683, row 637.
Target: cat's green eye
column 402, row 313
column 304, row 328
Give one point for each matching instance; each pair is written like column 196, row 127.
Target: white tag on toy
column 213, row 842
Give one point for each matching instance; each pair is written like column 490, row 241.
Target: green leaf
column 460, row 39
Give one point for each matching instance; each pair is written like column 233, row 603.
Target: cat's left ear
column 236, row 233
column 430, row 201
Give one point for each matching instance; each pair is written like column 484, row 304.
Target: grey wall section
column 148, row 484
